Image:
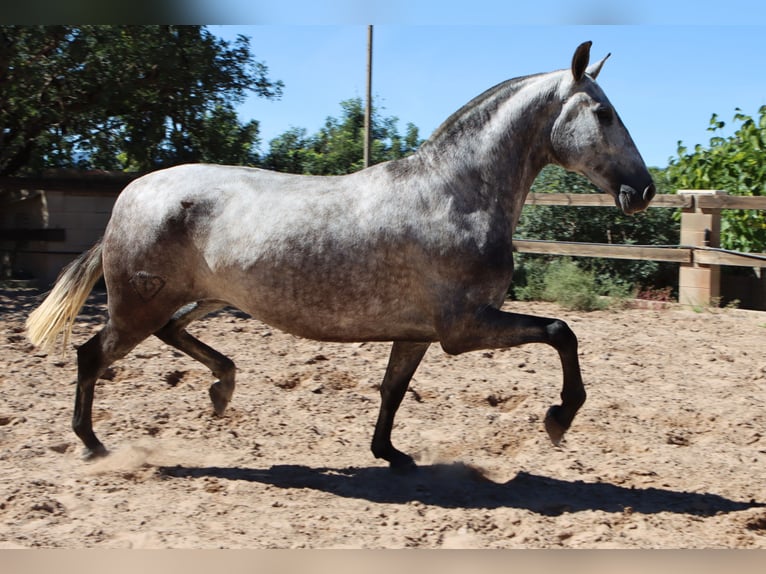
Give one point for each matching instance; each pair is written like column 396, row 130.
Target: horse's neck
column 503, row 154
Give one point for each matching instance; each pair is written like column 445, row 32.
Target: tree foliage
column 736, row 164
column 597, row 225
column 124, row 97
column 338, row 147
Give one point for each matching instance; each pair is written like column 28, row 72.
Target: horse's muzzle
column 632, row 201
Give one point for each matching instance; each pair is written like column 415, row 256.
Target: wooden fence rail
column 679, row 254
column 605, row 250
column 699, row 255
column 606, row 200
column 685, row 199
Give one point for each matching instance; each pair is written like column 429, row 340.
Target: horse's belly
column 357, row 321
column 336, row 306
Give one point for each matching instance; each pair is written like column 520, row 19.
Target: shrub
column 564, row 282
column 529, row 279
column 571, row 287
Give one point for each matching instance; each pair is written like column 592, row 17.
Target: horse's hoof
column 216, row 397
column 93, row 453
column 554, row 428
column 402, row 464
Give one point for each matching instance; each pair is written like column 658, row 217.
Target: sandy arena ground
column 668, row 451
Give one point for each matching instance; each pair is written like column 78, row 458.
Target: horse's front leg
column 491, row 328
column 404, row 360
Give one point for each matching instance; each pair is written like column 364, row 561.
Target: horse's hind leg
column 221, row 366
column 404, row 360
column 93, row 357
column 174, row 333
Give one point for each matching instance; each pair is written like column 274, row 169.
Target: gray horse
column 413, row 251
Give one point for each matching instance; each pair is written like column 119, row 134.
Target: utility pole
column 368, row 108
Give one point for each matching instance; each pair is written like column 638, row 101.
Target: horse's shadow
column 459, row 485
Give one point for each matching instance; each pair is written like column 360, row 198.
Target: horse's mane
column 483, row 105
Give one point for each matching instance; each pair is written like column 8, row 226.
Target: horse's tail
column 56, row 314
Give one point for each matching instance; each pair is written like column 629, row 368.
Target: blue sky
column 439, row 12
column 665, row 80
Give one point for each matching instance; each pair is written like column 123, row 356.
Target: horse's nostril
column 649, row 192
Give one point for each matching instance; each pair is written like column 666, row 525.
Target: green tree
column 338, row 147
column 124, row 97
column 596, row 225
column 288, row 152
column 736, row 164
column 215, row 137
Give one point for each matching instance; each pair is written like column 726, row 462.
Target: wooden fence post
column 698, row 284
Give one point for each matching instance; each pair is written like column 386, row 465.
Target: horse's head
column 589, row 138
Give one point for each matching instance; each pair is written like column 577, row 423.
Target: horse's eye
column 604, row 114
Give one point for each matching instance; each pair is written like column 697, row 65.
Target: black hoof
column 553, row 427
column 220, row 402
column 402, row 463
column 93, row 453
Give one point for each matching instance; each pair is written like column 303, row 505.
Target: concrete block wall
column 83, row 216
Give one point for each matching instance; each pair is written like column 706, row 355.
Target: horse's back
column 191, row 201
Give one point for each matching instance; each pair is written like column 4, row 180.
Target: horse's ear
column 594, row 70
column 580, row 60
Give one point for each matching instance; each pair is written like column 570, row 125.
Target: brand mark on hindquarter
column 147, row 285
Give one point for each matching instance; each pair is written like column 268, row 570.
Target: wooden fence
column 699, row 253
